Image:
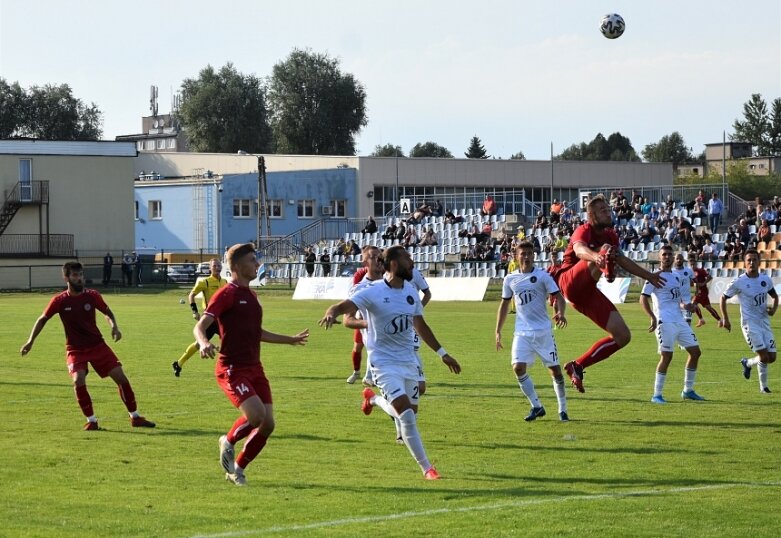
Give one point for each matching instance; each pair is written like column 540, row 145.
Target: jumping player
column 593, row 250
column 236, row 310
column 84, row 344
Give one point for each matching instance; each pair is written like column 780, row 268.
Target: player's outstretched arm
column 37, row 328
column 299, row 339
column 425, row 333
column 501, row 317
column 631, row 267
column 336, row 310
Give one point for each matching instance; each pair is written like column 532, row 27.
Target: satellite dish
column 155, row 124
column 162, row 122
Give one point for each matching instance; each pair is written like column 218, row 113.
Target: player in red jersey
column 372, row 270
column 84, row 344
column 236, row 310
column 701, row 277
column 593, row 251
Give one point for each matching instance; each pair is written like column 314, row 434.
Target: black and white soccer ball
column 612, row 25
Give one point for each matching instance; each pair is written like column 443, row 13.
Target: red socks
column 128, row 397
column 601, row 350
column 240, row 429
column 84, row 400
column 356, row 356
column 252, row 448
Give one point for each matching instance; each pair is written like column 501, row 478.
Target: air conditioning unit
column 326, row 210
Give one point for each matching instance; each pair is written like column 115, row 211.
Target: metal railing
column 15, row 245
column 35, row 192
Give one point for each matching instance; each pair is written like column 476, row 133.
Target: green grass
column 621, row 467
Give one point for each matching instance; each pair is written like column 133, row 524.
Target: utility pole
column 264, row 219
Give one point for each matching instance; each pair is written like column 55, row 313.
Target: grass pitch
column 621, row 467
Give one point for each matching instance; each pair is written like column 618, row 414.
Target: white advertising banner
column 442, row 289
column 718, row 285
column 615, row 291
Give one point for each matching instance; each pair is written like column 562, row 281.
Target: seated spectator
column 764, row 233
column 654, row 214
column 750, row 215
column 738, row 250
column 685, row 230
column 371, row 226
column 410, row 237
column 437, row 209
column 566, row 216
column 390, row 232
column 624, row 213
column 613, row 200
column 647, row 235
column 520, row 235
column 555, row 211
column 541, row 222
column 743, row 231
column 698, row 211
column 769, row 214
column 646, row 206
column 560, row 244
column 669, row 203
column 450, row 218
column 401, row 232
column 708, row 250
column 489, row 207
column 355, row 250
column 429, row 238
column 637, row 213
column 630, row 237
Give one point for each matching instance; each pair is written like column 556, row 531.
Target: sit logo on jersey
column 399, row 324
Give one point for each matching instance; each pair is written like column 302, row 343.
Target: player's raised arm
column 299, row 339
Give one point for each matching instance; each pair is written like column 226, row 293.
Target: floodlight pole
column 264, row 219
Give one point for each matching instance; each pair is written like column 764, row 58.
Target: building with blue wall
column 210, row 212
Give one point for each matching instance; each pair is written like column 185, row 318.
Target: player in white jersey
column 393, row 310
column 671, row 327
column 752, row 289
column 533, row 335
column 684, row 275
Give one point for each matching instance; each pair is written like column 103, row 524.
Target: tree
column 430, row 149
column 316, row 109
column 518, row 156
column 670, row 148
column 476, row 149
column 774, row 136
column 614, row 148
column 756, row 125
column 225, row 111
column 47, row 113
column 388, row 150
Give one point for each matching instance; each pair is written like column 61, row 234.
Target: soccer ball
column 181, row 301
column 612, row 25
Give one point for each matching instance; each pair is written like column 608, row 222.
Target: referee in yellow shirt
column 206, row 287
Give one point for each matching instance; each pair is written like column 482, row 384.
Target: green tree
column 518, row 156
column 670, row 148
column 388, row 150
column 316, row 109
column 742, row 182
column 476, row 149
column 614, row 148
column 755, row 127
column 225, row 111
column 774, row 136
column 47, row 112
column 12, row 108
column 430, row 149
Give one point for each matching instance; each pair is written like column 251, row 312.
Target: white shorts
column 668, row 333
column 759, row 336
column 528, row 344
column 370, row 379
column 397, row 379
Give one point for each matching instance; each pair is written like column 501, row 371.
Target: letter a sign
column 405, row 207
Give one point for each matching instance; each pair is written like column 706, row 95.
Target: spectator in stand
column 737, row 251
column 653, row 215
column 541, row 222
column 489, row 207
column 768, row 213
column 437, row 209
column 669, row 203
column 355, row 250
column 371, row 226
column 715, row 208
column 701, row 197
column 560, row 244
column 309, row 261
column 325, row 262
column 401, row 231
column 708, row 250
column 750, row 215
column 671, row 231
column 629, row 237
column 646, row 207
column 450, row 218
column 613, row 200
column 566, row 216
column 429, row 238
column 555, row 211
column 390, row 232
column 620, row 199
column 637, row 212
column 636, row 198
column 698, row 211
column 486, row 230
column 520, row 234
column 764, row 233
column 410, row 237
column 744, row 232
column 685, row 230
column 647, row 234
column 624, row 213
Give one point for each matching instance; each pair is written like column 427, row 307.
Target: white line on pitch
column 478, row 508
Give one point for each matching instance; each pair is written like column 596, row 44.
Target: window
column 241, row 208
column 26, row 180
column 306, row 209
column 140, row 145
column 155, row 209
column 135, row 211
column 172, row 143
column 150, row 144
column 160, row 143
column 275, row 209
column 339, row 208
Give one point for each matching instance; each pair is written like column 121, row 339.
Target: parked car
column 179, row 274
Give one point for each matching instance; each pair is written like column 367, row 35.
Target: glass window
column 241, row 208
column 150, row 144
column 140, row 145
column 340, row 208
column 155, row 209
column 172, row 143
column 135, row 209
column 306, row 209
column 275, row 209
column 160, row 143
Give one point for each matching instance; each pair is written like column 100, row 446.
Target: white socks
column 688, row 379
column 527, row 387
column 558, row 388
column 762, row 369
column 411, row 436
column 384, row 404
column 659, row 383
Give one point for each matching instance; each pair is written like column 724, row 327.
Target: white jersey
column 752, row 295
column 531, row 292
column 685, row 275
column 365, row 281
column 666, row 299
column 389, row 312
column 418, row 280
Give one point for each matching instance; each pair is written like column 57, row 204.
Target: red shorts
column 580, row 289
column 358, row 337
column 101, row 357
column 702, row 298
column 242, row 382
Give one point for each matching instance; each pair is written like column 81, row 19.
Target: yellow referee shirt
column 207, row 286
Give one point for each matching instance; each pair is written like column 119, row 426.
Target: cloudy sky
column 519, row 74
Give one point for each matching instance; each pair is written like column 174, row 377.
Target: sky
column 521, row 75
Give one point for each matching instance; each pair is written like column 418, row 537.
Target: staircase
column 35, row 194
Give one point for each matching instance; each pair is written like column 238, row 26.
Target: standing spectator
column 715, row 209
column 108, row 263
column 489, row 207
column 309, row 261
column 752, row 289
column 394, row 363
column 555, row 211
column 670, row 327
column 127, row 270
column 236, row 310
column 135, row 263
column 437, row 210
column 325, row 261
column 533, row 336
column 84, row 344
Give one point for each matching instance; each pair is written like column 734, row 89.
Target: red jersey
column 359, row 274
column 585, row 233
column 77, row 313
column 239, row 315
column 700, row 278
